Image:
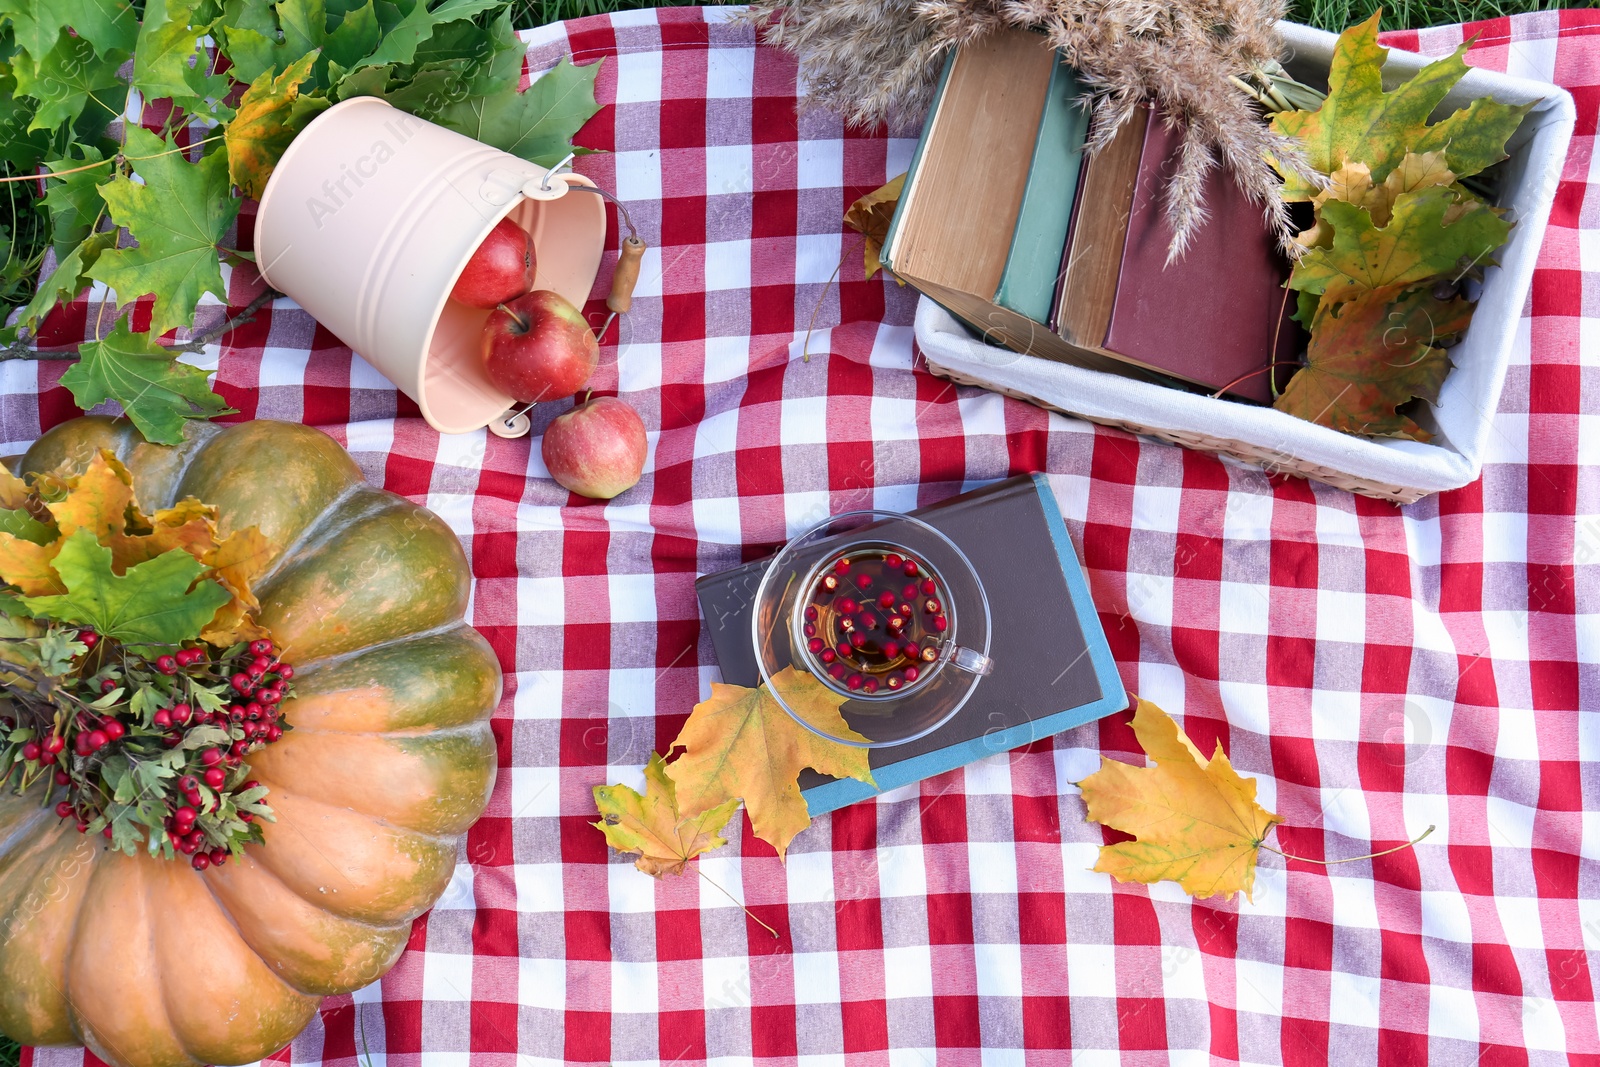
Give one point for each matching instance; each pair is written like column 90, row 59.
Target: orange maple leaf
column 1195, row 820
column 742, row 745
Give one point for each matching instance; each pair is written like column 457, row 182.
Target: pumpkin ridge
column 304, row 536
column 23, row 830
column 301, row 666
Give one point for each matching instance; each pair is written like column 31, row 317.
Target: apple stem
column 522, row 324
column 587, row 395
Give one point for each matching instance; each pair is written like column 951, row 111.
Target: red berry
column 905, row 611
column 274, row 732
column 829, row 584
column 811, row 613
column 54, row 743
column 239, row 714
column 106, row 833
column 910, row 569
column 263, row 647
column 911, row 674
column 245, row 816
column 219, row 856
column 97, row 740
column 864, row 581
column 912, row 651
column 837, row 671
column 30, row 751
column 829, row 655
column 841, row 565
column 201, row 861
column 64, row 810
column 268, row 696
column 869, row 686
column 891, row 649
column 854, row 681
column 83, row 827
column 285, row 672
column 238, row 748
column 927, row 586
column 251, row 784
column 241, row 682
column 929, row 654
column 185, row 817
column 89, row 637
column 108, row 685
column 894, row 681
column 869, row 620
column 181, row 713
column 63, row 778
column 847, row 606
column 809, row 629
column 166, row 665
column 940, row 623
column 47, row 758
column 80, row 744
column 211, row 757
column 114, row 729
column 886, row 599
column 815, row 644
column 188, row 783
column 162, row 718
column 857, row 640
column 932, row 606
column 893, row 559
column 910, row 591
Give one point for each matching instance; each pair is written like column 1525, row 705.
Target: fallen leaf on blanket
column 1195, row 821
column 652, row 826
column 742, row 745
column 870, row 216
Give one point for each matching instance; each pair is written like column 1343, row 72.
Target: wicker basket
column 1400, row 471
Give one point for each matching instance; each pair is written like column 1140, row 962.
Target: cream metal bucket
column 370, row 217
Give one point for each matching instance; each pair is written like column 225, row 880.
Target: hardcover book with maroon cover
column 1219, row 312
column 1053, row 668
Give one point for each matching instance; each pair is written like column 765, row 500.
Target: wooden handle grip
column 626, row 276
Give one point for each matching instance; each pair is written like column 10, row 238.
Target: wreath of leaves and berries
column 134, row 679
column 220, row 88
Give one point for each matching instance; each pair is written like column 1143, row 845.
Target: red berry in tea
column 881, row 626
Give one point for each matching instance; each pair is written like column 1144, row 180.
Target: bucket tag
column 500, row 186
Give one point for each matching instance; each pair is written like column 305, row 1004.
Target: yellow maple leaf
column 652, row 825
column 13, row 490
column 870, row 216
column 237, row 563
column 1196, row 821
column 96, row 500
column 29, row 566
column 741, row 744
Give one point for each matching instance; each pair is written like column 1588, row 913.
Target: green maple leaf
column 71, row 82
column 73, row 200
column 169, row 62
column 153, row 387
column 66, row 281
column 1359, row 121
column 178, row 215
column 252, row 42
column 1417, row 243
column 399, row 44
column 537, row 124
column 354, row 38
column 151, row 604
column 21, row 145
column 108, row 25
column 270, row 114
column 1371, row 354
column 18, row 523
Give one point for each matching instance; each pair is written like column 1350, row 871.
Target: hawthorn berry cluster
column 150, row 749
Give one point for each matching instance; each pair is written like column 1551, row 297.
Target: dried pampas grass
column 878, row 60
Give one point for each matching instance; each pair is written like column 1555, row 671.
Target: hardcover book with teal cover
column 1053, row 668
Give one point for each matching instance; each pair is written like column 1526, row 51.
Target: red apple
column 538, row 347
column 500, row 269
column 597, row 449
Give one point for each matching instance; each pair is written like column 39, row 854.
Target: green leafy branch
column 145, row 216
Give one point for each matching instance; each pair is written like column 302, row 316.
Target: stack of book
column 1009, row 225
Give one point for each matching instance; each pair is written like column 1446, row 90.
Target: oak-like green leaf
column 399, row 44
column 156, row 390
column 537, row 124
column 72, row 81
column 151, row 604
column 178, row 215
column 73, row 200
column 1359, row 121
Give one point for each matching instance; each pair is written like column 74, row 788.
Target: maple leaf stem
column 107, row 162
column 1351, row 859
column 805, row 347
column 1258, row 370
column 731, row 897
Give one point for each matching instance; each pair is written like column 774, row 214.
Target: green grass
column 10, row 1054
column 1328, row 14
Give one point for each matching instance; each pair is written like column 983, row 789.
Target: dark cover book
column 1053, row 668
column 1219, row 312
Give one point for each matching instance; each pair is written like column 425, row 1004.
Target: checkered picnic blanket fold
column 1375, row 669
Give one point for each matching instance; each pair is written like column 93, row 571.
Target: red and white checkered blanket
column 1375, row 669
